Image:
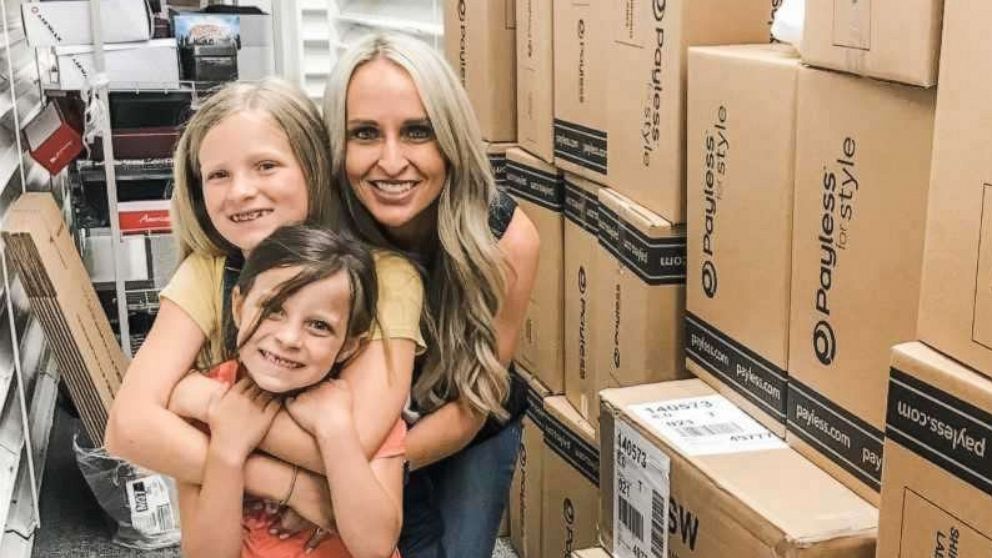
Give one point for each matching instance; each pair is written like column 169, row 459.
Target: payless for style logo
column 35, row 11
column 717, row 147
column 840, row 185
column 651, row 124
column 582, row 322
column 462, row 55
column 568, row 514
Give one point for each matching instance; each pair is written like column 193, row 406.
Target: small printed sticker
column 641, row 485
column 707, row 425
column 151, row 508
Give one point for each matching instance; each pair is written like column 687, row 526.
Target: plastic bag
column 789, row 20
column 144, row 505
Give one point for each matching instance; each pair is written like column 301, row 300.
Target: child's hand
column 323, row 409
column 239, row 418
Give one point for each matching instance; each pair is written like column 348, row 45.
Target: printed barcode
column 631, row 518
column 658, row 529
column 164, row 516
column 717, row 429
column 144, row 523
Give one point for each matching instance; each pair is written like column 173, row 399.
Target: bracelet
column 292, row 486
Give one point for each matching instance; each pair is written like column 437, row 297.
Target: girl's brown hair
column 319, row 253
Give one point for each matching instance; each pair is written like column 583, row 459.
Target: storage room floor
column 73, row 524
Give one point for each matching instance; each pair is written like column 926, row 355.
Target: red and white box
column 52, row 140
column 141, row 217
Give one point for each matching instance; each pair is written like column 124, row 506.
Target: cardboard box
column 527, row 488
column 741, row 158
column 44, row 253
column 149, row 64
column 535, row 78
column 640, row 296
column 480, row 44
column 935, row 499
column 539, row 189
column 497, row 160
column 725, row 484
column 48, row 24
column 955, row 300
column 581, row 325
column 646, row 88
column 571, row 480
column 862, row 177
column 897, row 40
column 580, row 61
column 53, row 140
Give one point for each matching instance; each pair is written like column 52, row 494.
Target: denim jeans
column 453, row 508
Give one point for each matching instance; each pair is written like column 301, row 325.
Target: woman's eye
column 276, row 314
column 216, row 175
column 420, row 132
column 267, row 165
column 364, row 133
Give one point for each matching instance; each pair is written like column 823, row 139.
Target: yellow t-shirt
column 196, row 288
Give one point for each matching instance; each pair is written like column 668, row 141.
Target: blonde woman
column 253, row 159
column 409, row 163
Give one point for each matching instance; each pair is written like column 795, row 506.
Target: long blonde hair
column 465, row 285
column 293, row 112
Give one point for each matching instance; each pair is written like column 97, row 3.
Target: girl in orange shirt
column 303, row 303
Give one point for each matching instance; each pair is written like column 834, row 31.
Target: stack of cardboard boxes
column 713, row 205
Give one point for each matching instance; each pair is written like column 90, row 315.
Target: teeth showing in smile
column 246, row 216
column 279, row 361
column 394, row 186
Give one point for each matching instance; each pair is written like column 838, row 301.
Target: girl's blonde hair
column 293, row 112
column 466, row 282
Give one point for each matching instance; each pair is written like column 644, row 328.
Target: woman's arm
column 142, row 430
column 381, row 395
column 452, row 427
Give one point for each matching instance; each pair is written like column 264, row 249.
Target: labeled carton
column 691, row 475
column 527, row 488
column 938, row 470
column 535, row 78
column 497, row 160
column 128, row 65
column 741, row 156
column 539, row 189
column 571, row 480
column 48, row 24
column 43, row 251
column 646, row 88
column 580, row 62
column 581, row 324
column 956, row 298
column 862, row 177
column 640, row 296
column 897, row 40
column 480, row 43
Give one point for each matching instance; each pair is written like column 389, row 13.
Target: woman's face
column 252, row 182
column 392, row 159
column 296, row 346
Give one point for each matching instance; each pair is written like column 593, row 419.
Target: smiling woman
column 408, row 162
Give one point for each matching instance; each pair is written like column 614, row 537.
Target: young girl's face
column 252, row 182
column 392, row 159
column 296, row 346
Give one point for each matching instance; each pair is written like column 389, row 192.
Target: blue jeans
column 453, row 508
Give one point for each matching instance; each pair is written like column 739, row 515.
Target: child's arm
column 238, row 419
column 142, row 430
column 367, row 496
column 368, row 375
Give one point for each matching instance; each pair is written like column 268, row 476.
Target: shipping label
column 707, row 425
column 929, row 531
column 152, row 512
column 641, row 486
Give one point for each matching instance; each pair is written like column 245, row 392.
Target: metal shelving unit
column 28, row 378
